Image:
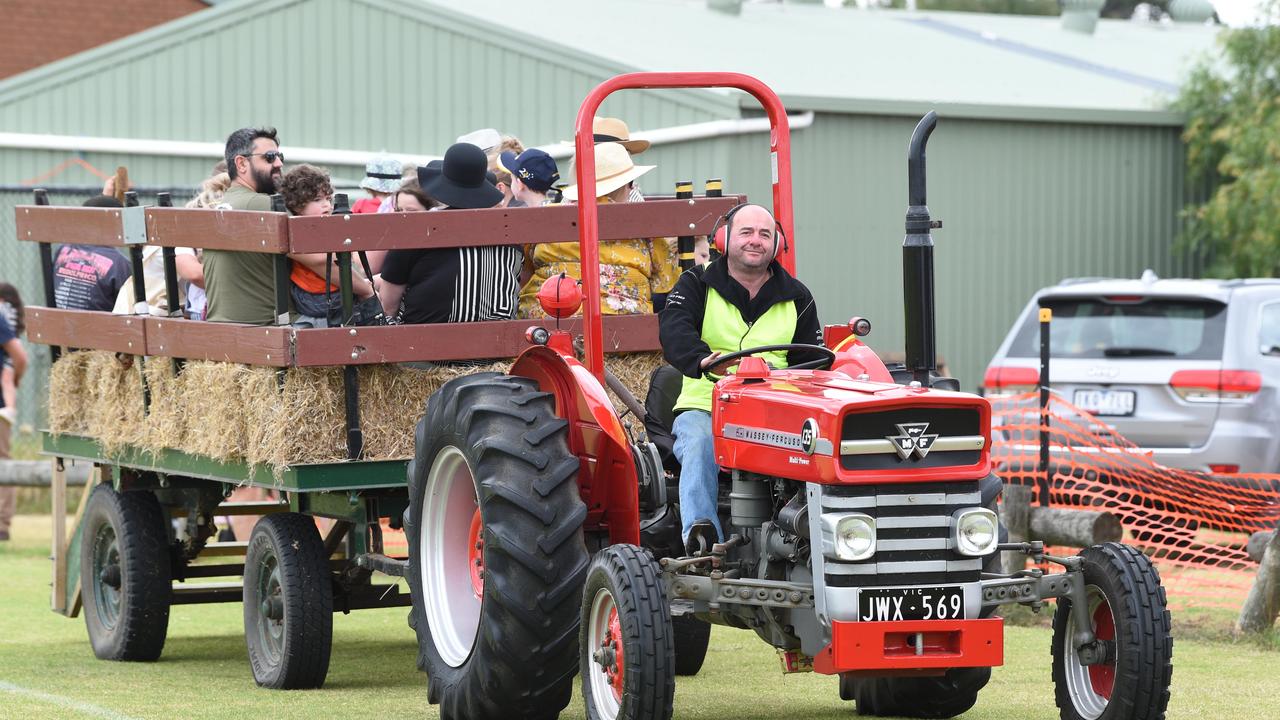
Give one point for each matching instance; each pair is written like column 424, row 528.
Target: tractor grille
column 913, row 534
column 867, row 440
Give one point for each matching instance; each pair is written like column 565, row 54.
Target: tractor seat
column 659, row 413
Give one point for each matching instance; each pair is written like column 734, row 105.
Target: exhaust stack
column 917, row 262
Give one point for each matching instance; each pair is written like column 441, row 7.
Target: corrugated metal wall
column 1023, row 205
column 329, row 73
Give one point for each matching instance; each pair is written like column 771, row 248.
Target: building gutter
column 329, row 156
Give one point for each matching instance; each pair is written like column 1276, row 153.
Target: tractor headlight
column 848, row 536
column 977, row 531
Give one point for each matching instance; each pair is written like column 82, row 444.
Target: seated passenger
column 411, row 198
column 743, row 299
column 382, row 175
column 88, row 277
column 454, row 284
column 307, row 191
column 241, row 285
column 631, row 271
column 531, row 174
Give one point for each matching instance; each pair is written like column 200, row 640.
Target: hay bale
column 165, row 424
column 214, row 417
column 115, row 413
column 228, row 412
column 67, row 394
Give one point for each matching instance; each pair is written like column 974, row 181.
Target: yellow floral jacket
column 630, row 272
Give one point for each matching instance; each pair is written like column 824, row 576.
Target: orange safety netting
column 1194, row 526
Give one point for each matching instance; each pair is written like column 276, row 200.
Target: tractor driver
column 742, row 299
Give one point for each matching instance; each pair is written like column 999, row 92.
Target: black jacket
column 680, row 324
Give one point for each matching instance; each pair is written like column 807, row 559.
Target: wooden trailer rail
column 276, row 233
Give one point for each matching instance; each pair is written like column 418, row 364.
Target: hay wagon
column 177, row 414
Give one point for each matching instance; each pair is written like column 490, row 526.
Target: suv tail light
column 1006, row 381
column 1215, row 385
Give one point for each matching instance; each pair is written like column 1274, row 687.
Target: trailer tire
column 1127, row 607
column 691, row 637
column 288, row 603
column 496, row 553
column 125, row 574
column 626, row 647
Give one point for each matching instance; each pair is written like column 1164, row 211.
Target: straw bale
column 165, row 423
column 67, row 395
column 214, row 418
column 114, row 412
column 236, row 412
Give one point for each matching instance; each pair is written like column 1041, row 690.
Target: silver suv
column 1186, row 369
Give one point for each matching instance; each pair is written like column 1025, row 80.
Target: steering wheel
column 822, row 363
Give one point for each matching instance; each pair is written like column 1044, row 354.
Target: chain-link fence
column 20, row 266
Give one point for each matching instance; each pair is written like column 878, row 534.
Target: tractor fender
column 607, row 474
column 854, row 358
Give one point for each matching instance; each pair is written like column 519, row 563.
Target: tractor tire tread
column 1143, row 629
column 524, row 657
column 644, row 617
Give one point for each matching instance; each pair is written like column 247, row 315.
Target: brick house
column 37, row 33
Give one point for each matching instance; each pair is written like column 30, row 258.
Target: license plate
column 915, row 603
column 1105, row 402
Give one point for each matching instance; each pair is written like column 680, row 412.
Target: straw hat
column 615, row 130
column 614, row 168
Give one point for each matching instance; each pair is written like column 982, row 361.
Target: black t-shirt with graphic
column 86, row 277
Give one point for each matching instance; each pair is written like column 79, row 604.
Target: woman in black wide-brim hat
column 454, row 284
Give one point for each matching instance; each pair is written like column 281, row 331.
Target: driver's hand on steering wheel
column 709, row 360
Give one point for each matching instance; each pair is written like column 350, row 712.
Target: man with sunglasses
column 241, row 285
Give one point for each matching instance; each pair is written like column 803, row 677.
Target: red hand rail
column 584, row 142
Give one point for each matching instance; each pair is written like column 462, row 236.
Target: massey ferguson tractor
column 858, row 500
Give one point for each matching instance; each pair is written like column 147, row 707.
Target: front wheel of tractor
column 626, row 652
column 1128, row 615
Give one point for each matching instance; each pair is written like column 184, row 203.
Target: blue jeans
column 699, row 474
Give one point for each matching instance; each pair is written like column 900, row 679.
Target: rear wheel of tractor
column 496, row 555
column 288, row 603
column 691, row 637
column 1128, row 613
column 916, row 697
column 626, row 649
column 125, row 574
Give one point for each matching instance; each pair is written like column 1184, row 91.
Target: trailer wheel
column 288, row 603
column 125, row 574
column 691, row 637
column 496, row 555
column 916, row 697
column 1128, row 612
column 626, row 650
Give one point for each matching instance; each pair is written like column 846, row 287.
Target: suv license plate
column 915, row 603
column 1105, row 402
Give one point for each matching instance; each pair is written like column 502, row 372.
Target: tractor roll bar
column 584, row 145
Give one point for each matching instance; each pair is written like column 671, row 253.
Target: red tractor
column 860, row 503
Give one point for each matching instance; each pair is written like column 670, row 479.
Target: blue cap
column 534, row 167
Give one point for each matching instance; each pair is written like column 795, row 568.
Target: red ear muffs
column 725, row 224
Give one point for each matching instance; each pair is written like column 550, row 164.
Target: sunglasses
column 271, row 156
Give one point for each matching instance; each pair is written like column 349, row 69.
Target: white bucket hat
column 382, row 174
column 614, row 168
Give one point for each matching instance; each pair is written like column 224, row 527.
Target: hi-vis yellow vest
column 724, row 331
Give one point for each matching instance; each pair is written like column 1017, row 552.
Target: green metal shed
column 1055, row 154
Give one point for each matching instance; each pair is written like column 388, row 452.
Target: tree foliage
column 1233, row 145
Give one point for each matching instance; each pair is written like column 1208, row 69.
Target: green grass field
column 47, row 669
